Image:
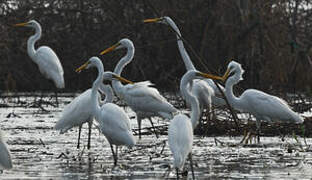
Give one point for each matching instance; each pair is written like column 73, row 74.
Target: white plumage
column 146, row 101
column 180, row 137
column 5, row 155
column 180, row 132
column 114, row 122
column 76, row 113
column 46, row 59
column 262, row 105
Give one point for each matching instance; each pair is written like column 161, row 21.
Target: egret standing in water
column 180, row 132
column 5, row 155
column 260, row 104
column 48, row 63
column 79, row 111
column 204, row 90
column 113, row 121
column 144, row 100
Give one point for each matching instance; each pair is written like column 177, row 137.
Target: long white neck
column 195, row 114
column 109, row 94
column 186, row 58
column 95, row 87
column 119, row 67
column 233, row 100
column 32, row 40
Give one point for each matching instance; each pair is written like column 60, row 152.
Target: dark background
column 271, row 39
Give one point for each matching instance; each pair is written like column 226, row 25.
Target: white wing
column 217, row 98
column 5, row 156
column 268, row 107
column 180, row 137
column 50, row 65
column 203, row 92
column 115, row 125
column 140, row 96
column 76, row 113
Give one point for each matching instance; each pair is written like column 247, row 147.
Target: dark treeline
column 272, row 40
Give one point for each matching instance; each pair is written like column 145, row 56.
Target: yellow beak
column 210, row 76
column 20, row 24
column 110, row 48
column 82, row 67
column 121, row 79
column 226, row 75
column 151, row 20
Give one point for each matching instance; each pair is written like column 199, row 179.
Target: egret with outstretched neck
column 144, row 100
column 113, row 121
column 204, row 90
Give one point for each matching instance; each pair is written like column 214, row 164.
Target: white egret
column 203, row 90
column 144, row 100
column 48, row 63
column 113, row 121
column 260, row 104
column 5, row 155
column 79, row 111
column 180, row 132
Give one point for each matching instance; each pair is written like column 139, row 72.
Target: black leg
column 258, row 123
column 139, row 125
column 56, row 99
column 191, row 163
column 89, row 136
column 114, row 155
column 177, row 171
column 78, row 145
column 150, row 119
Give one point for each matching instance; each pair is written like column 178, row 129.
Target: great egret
column 260, row 104
column 144, row 100
column 180, row 132
column 113, row 121
column 46, row 59
column 5, row 155
column 79, row 111
column 203, row 90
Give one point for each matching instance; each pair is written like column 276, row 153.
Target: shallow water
column 40, row 152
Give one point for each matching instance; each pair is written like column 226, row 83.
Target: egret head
column 123, row 43
column 92, row 62
column 163, row 20
column 31, row 23
column 234, row 70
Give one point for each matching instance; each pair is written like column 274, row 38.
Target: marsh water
column 40, row 152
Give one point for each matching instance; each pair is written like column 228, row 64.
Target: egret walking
column 113, row 121
column 144, row 100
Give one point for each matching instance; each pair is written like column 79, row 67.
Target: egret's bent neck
column 119, row 67
column 32, row 40
column 195, row 114
column 124, row 60
column 233, row 100
column 186, row 58
column 95, row 87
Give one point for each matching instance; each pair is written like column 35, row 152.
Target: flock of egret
column 197, row 89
